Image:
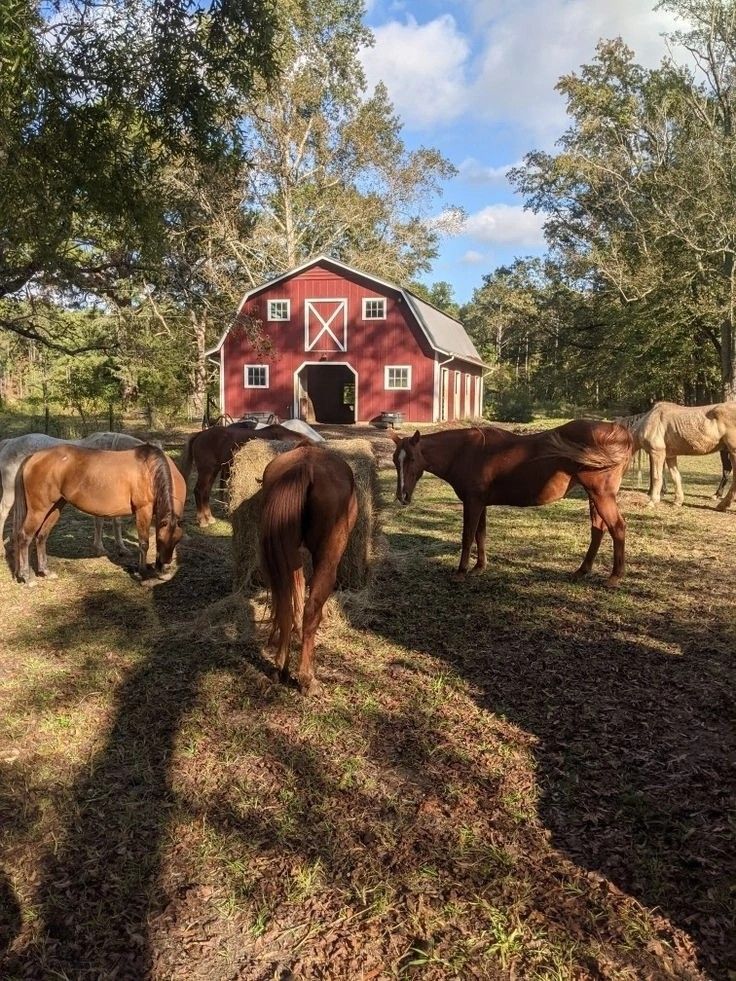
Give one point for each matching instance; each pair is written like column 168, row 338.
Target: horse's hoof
column 723, row 505
column 310, row 688
column 579, row 574
column 612, row 582
column 651, row 503
column 459, row 576
column 678, row 504
column 123, row 550
column 48, row 575
column 98, row 553
column 28, row 583
column 477, row 570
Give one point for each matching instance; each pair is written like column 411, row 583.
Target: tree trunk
column 728, row 365
column 199, row 371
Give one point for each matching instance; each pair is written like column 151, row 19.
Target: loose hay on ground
column 245, row 500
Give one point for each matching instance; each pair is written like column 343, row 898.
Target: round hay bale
column 245, row 501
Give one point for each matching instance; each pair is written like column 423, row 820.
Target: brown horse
column 309, row 499
column 493, row 466
column 211, row 452
column 142, row 481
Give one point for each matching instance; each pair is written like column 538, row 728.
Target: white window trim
column 279, row 320
column 374, row 299
column 397, row 388
column 245, row 375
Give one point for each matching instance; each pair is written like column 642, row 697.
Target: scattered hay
column 245, row 501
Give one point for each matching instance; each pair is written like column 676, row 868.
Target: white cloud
column 519, row 50
column 529, row 45
column 423, row 66
column 477, row 173
column 472, row 258
column 505, row 224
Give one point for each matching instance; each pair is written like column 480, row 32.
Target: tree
column 96, row 101
column 329, row 171
column 640, row 197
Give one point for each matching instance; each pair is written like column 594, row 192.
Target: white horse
column 668, row 430
column 14, row 451
column 298, row 426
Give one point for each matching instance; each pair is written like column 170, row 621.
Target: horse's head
column 169, row 531
column 409, row 464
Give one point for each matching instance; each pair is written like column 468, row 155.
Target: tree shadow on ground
column 389, row 798
column 632, row 711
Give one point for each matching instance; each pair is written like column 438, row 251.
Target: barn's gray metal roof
column 444, row 333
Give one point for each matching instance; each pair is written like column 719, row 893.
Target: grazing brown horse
column 309, row 499
column 142, row 481
column 493, row 466
column 211, row 452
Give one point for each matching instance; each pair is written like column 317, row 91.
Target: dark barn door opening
column 331, row 390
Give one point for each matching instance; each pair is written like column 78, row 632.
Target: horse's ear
column 394, row 436
column 415, row 438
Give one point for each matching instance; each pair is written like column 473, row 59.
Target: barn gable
column 344, row 345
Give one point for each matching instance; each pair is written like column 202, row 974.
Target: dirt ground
column 518, row 776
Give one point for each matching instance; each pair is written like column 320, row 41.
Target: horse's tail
column 610, row 448
column 21, row 507
column 187, row 461
column 281, row 536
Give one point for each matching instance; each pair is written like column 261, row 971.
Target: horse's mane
column 631, row 422
column 163, row 487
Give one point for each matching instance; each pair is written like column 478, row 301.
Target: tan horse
column 668, row 430
column 309, row 500
column 104, row 483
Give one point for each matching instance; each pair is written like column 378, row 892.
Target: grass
column 515, row 776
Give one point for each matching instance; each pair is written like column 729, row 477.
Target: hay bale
column 245, row 502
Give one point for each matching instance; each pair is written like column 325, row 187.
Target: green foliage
column 511, row 402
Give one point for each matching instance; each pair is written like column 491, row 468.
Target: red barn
column 343, row 346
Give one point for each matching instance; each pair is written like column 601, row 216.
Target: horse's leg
column 597, row 531
column 726, row 469
column 725, row 504
column 202, row 491
column 143, row 518
column 41, row 537
column 676, row 479
column 656, row 466
column 323, row 584
column 117, row 525
column 97, row 546
column 480, row 543
column 6, row 503
column 471, row 517
column 605, row 503
column 22, row 543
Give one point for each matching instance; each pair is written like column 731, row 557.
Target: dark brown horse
column 493, row 466
column 211, row 452
column 142, row 481
column 309, row 499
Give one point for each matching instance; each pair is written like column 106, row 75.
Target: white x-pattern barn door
column 326, row 324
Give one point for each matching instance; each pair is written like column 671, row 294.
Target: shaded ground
column 518, row 776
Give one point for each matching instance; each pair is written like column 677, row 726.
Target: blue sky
column 475, row 78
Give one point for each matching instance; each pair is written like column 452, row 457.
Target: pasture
column 514, row 776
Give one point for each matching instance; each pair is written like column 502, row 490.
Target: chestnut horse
column 142, row 481
column 493, row 466
column 211, row 452
column 309, row 499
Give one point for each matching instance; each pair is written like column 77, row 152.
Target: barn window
column 374, row 309
column 397, row 376
column 279, row 309
column 256, row 376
